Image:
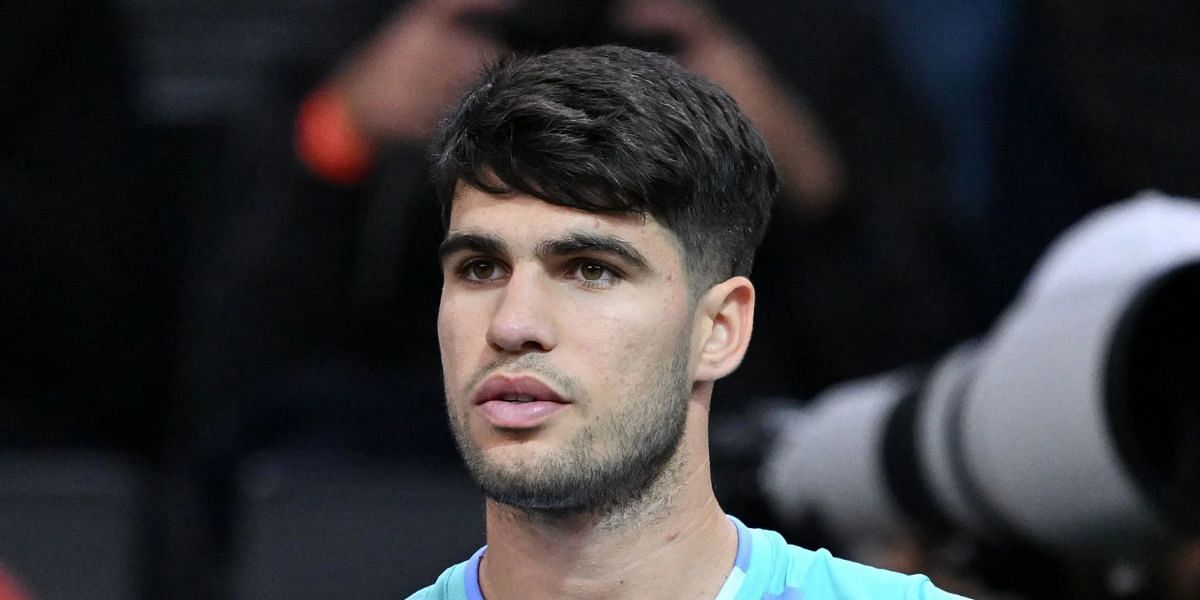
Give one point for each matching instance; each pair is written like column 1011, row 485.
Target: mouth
column 520, row 389
column 520, row 402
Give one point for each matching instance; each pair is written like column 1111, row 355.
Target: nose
column 523, row 319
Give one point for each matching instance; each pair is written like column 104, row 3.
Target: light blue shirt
column 766, row 568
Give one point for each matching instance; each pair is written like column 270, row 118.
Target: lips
column 520, row 402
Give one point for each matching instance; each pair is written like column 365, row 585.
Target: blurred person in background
column 305, row 312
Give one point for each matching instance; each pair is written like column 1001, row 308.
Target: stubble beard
column 639, row 445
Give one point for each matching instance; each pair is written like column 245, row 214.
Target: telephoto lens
column 1074, row 424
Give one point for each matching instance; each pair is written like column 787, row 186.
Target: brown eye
column 591, row 272
column 481, row 270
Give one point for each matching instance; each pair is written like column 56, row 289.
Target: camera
column 541, row 25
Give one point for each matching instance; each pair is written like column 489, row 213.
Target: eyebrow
column 574, row 242
column 480, row 243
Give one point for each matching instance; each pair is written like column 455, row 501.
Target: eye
column 592, row 271
column 595, row 274
column 481, row 270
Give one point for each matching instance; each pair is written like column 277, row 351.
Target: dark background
column 197, row 333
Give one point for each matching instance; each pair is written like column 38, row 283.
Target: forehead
column 520, row 219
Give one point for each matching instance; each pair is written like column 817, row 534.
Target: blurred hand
column 10, row 589
column 809, row 168
column 400, row 83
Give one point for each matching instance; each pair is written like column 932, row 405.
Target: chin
column 511, row 452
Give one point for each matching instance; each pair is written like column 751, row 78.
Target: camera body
column 541, row 25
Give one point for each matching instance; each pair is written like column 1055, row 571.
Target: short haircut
column 616, row 130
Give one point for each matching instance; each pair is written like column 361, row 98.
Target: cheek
column 452, row 324
column 636, row 342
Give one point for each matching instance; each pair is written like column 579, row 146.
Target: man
column 603, row 209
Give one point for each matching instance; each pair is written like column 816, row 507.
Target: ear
column 725, row 320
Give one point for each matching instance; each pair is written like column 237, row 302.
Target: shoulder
column 450, row 585
column 818, row 574
column 848, row 579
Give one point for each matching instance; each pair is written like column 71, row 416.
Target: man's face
column 565, row 338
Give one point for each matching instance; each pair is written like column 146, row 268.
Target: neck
column 674, row 541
